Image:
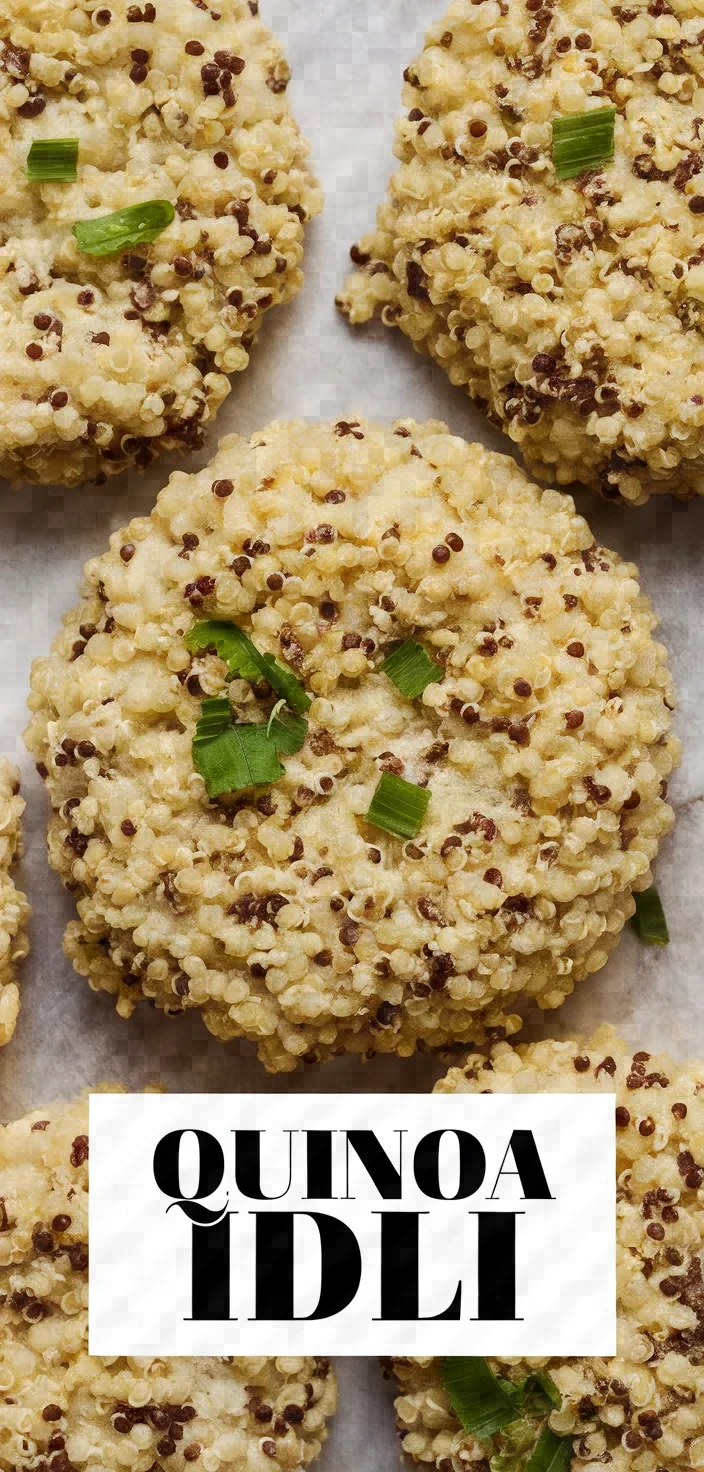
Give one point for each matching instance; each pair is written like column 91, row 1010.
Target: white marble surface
column 347, row 58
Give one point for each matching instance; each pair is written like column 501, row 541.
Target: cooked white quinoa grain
column 282, row 913
column 644, row 1409
column 63, row 1410
column 108, row 360
column 572, row 311
column 14, row 910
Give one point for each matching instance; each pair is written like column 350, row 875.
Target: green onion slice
column 649, row 919
column 231, row 758
column 397, row 806
column 551, row 1453
column 244, row 659
column 215, row 717
column 52, row 159
column 285, row 684
column 540, row 1387
column 485, row 1404
column 287, row 730
column 230, row 643
column 516, row 1443
column 583, row 140
column 481, row 1402
column 411, row 669
column 104, row 235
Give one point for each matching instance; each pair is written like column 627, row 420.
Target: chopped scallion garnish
column 649, row 919
column 285, row 684
column 544, row 1386
column 411, row 669
column 243, row 659
column 232, row 757
column 398, row 807
column 229, row 642
column 481, row 1402
column 288, row 731
column 551, row 1453
column 52, row 159
column 583, row 140
column 488, row 1406
column 137, row 224
column 215, row 717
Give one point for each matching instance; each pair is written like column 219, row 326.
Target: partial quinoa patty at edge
column 571, row 310
column 644, row 1408
column 109, row 359
column 71, row 1411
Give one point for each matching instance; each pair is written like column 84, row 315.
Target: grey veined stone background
column 347, row 58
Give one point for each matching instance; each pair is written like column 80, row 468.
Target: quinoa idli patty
column 14, row 910
column 282, row 912
column 73, row 1410
column 571, row 310
column 645, row 1407
column 107, row 360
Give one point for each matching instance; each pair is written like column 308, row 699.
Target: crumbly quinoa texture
column 66, row 1410
column 108, row 360
column 570, row 310
column 282, row 913
column 644, row 1409
column 14, row 910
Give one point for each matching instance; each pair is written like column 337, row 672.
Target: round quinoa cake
column 14, row 910
column 66, row 1410
column 570, row 309
column 543, row 745
column 644, row 1409
column 109, row 359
